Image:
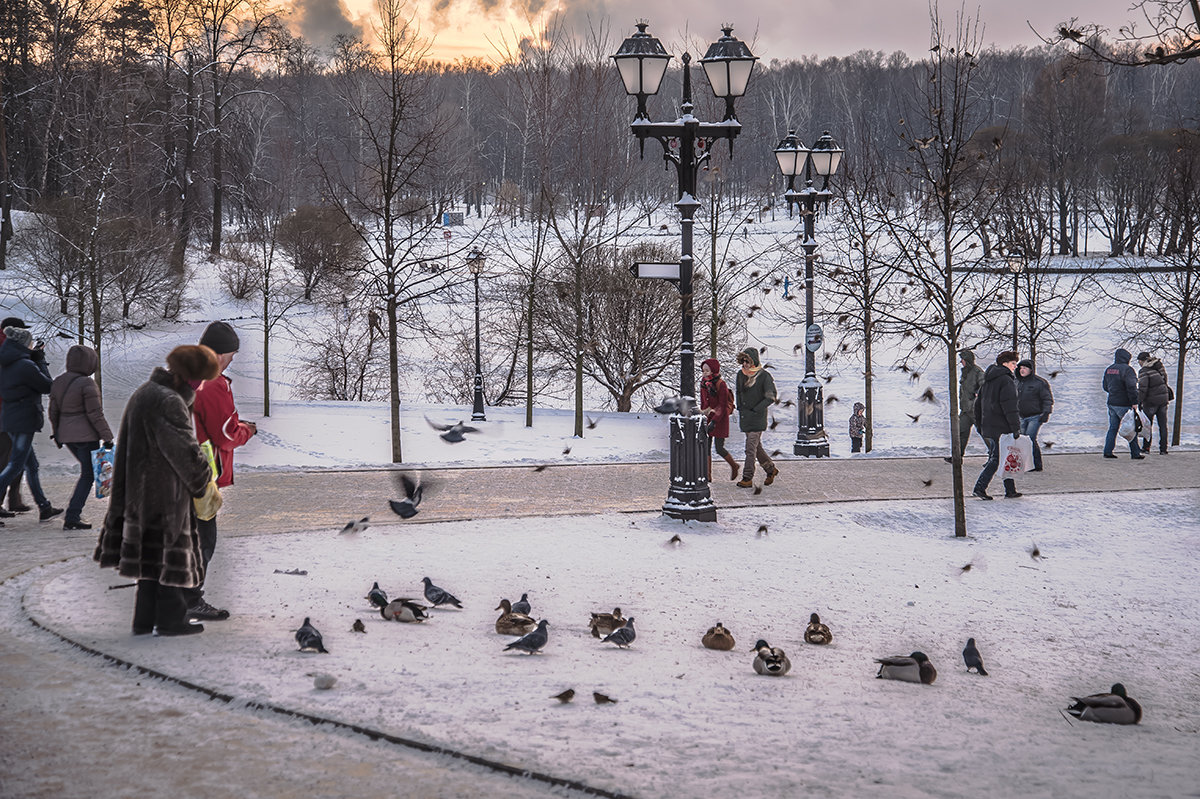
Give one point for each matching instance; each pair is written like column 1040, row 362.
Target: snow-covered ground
column 1112, row 600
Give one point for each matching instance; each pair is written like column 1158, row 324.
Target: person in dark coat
column 149, row 532
column 716, row 402
column 77, row 419
column 970, row 380
column 1122, row 386
column 996, row 414
column 755, row 394
column 24, row 378
column 15, row 503
column 858, row 427
column 1154, row 392
column 1035, row 401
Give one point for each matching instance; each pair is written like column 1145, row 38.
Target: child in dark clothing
column 858, row 427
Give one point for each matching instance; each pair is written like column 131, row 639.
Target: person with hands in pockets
column 996, row 414
column 77, row 421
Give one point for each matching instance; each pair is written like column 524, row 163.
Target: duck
column 718, row 638
column 770, row 660
column 511, row 622
column 604, row 623
column 816, row 632
column 1115, row 707
column 914, row 668
column 405, row 610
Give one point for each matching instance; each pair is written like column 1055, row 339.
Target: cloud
column 319, row 21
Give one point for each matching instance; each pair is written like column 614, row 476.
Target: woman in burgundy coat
column 716, row 402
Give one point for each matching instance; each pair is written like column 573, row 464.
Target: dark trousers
column 856, row 443
column 23, row 460
column 1156, row 416
column 82, row 450
column 158, row 605
column 207, row 531
column 965, row 422
column 14, row 490
column 989, row 468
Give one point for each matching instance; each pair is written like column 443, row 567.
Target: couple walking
column 754, row 393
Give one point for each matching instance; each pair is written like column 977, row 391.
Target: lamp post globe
column 475, row 263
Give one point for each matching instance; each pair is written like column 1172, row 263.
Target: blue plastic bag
column 102, row 471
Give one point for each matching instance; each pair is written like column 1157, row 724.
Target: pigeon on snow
column 522, row 605
column 356, row 526
column 623, row 636
column 532, row 642
column 439, row 596
column 309, row 638
column 972, row 658
column 407, row 508
column 377, row 596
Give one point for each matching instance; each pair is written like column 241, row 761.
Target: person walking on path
column 77, row 420
column 1035, row 401
column 858, row 427
column 149, row 533
column 716, row 402
column 996, row 414
column 1154, row 392
column 970, row 380
column 24, row 378
column 216, row 421
column 755, row 394
column 1122, row 386
column 15, row 503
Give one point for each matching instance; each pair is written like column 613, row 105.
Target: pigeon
column 683, row 406
column 407, row 508
column 565, row 696
column 914, row 668
column 405, row 610
column 591, row 423
column 377, row 596
column 915, row 418
column 452, row 433
column 972, row 659
column 358, row 627
column 674, row 540
column 532, row 642
column 762, row 530
column 309, row 639
column 622, row 636
column 522, row 605
column 1035, row 553
column 770, row 660
column 356, row 526
column 439, row 596
column 928, row 396
column 816, row 632
column 1115, row 707
column 602, row 699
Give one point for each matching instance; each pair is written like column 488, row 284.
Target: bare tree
column 1169, row 30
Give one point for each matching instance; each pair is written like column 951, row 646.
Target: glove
column 209, row 503
column 1045, row 418
column 38, row 354
column 1016, row 435
column 108, row 445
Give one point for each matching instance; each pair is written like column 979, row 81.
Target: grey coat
column 76, row 411
column 150, row 529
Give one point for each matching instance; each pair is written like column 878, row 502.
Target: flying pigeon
column 309, row 639
column 439, row 596
column 452, row 433
column 356, row 526
column 377, row 596
column 405, row 610
column 533, row 641
column 565, row 696
column 1115, row 707
column 914, row 668
column 522, row 605
column 602, row 699
column 622, row 636
column 407, row 508
column 972, row 659
column 683, row 406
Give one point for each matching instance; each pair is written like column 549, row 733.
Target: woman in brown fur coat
column 150, row 530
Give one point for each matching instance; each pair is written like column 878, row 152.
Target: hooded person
column 150, row 533
column 858, row 427
column 996, row 414
column 1154, row 392
column 755, row 394
column 24, row 378
column 716, row 402
column 970, row 380
column 217, row 421
column 15, row 503
column 77, row 418
column 1121, row 384
column 1035, row 401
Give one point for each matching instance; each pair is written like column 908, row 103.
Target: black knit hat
column 1143, row 357
column 220, row 337
column 13, row 321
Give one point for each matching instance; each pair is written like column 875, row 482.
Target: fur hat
column 1007, row 356
column 190, row 362
column 19, row 335
column 1143, row 357
column 220, row 337
column 13, row 321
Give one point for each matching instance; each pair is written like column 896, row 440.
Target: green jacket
column 753, row 400
column 969, row 384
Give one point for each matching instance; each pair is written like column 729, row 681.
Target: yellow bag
column 208, row 505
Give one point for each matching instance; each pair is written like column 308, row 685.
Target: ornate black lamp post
column 687, row 143
column 823, row 159
column 475, row 262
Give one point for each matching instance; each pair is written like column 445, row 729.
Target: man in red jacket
column 216, row 421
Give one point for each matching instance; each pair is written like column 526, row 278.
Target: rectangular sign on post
column 659, row 271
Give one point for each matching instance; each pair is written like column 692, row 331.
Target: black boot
column 1010, row 489
column 144, row 607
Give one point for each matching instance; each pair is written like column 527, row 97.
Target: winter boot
column 1010, row 489
column 734, row 466
column 770, row 477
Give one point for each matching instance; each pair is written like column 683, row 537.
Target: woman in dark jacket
column 755, row 394
column 77, row 419
column 24, row 378
column 1154, row 392
column 1035, row 401
column 150, row 530
column 716, row 402
column 996, row 414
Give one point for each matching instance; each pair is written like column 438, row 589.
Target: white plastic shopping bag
column 1016, row 456
column 1128, row 428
